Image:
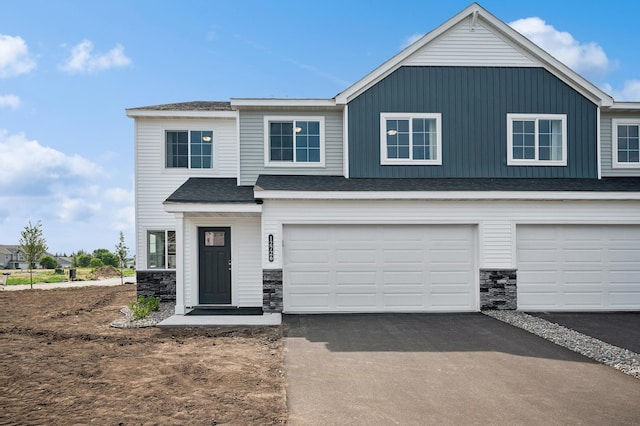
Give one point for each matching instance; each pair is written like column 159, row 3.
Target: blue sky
column 68, row 70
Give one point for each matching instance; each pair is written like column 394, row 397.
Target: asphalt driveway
column 620, row 329
column 443, row 369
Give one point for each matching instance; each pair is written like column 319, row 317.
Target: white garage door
column 347, row 268
column 578, row 267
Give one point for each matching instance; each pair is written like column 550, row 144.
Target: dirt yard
column 61, row 363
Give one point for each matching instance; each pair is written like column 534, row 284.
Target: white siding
column 154, row 183
column 480, row 47
column 252, row 145
column 606, row 146
column 246, row 272
column 496, row 248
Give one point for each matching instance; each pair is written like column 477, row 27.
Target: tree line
column 33, row 247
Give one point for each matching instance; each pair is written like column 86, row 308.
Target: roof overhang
column 625, row 106
column 446, row 195
column 270, row 102
column 475, row 11
column 140, row 113
column 212, row 208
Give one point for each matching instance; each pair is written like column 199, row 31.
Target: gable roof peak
column 476, row 12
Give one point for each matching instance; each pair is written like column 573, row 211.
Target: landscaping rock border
column 164, row 311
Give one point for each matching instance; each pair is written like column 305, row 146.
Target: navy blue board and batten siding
column 474, row 103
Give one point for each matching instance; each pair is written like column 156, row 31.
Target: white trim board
column 446, row 195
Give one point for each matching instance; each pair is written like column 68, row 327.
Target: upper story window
column 625, row 135
column 294, row 141
column 537, row 139
column 411, row 138
column 189, row 149
column 161, row 250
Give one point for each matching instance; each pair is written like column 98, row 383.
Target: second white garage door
column 385, row 268
column 578, row 267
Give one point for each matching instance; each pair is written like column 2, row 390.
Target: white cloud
column 630, row 91
column 28, row 165
column 14, row 57
column 119, row 195
column 84, row 61
column 410, row 40
column 10, row 101
column 588, row 58
column 72, row 196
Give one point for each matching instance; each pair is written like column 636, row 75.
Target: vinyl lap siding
column 606, row 146
column 474, row 102
column 497, row 219
column 154, row 183
column 252, row 146
column 462, row 46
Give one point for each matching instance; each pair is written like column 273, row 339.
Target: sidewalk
column 107, row 282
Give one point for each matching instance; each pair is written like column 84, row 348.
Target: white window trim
column 166, row 249
column 518, row 162
column 267, row 145
column 404, row 161
column 214, row 156
column 614, row 145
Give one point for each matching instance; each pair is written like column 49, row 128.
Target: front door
column 214, row 245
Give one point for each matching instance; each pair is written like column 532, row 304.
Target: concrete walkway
column 106, row 282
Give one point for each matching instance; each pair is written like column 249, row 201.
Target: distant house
column 11, row 258
column 64, row 262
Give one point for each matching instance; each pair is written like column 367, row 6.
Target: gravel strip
column 621, row 359
column 164, row 311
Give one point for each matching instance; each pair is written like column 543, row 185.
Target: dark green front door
column 214, row 246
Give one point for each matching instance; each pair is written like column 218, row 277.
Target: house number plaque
column 214, row 239
column 270, row 247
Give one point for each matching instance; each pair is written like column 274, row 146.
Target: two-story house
column 470, row 171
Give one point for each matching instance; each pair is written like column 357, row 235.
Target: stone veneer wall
column 498, row 289
column 161, row 284
column 272, row 290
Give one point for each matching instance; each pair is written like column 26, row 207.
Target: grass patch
column 142, row 307
column 21, row 276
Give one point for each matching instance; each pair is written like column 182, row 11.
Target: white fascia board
column 446, row 195
column 262, row 102
column 212, row 208
column 556, row 67
column 134, row 113
column 629, row 106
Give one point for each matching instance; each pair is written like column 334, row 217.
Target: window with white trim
column 626, row 139
column 161, row 249
column 189, row 149
column 294, row 141
column 536, row 139
column 410, row 138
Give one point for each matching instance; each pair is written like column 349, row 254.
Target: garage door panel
column 403, row 278
column 624, row 300
column 387, row 268
column 586, row 267
column 354, row 278
column 355, row 301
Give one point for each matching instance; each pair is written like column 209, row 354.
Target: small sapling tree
column 121, row 253
column 32, row 246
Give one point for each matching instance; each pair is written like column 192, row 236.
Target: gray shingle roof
column 339, row 183
column 190, row 106
column 212, row 190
